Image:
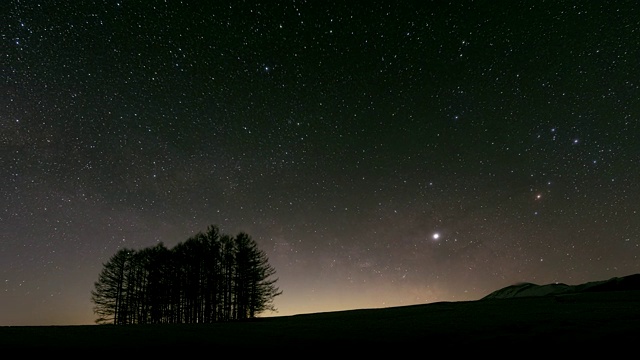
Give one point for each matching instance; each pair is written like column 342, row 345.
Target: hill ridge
column 527, row 289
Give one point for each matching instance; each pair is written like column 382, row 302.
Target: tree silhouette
column 209, row 277
column 255, row 291
column 108, row 295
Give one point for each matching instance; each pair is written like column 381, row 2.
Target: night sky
column 381, row 153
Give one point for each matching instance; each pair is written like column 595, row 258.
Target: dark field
column 569, row 324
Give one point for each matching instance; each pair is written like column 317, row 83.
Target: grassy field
column 551, row 324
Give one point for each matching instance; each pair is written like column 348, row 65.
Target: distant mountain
column 625, row 283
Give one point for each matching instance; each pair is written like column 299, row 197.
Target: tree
column 109, row 293
column 154, row 294
column 228, row 257
column 255, row 286
column 212, row 275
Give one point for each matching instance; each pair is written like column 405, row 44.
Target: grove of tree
column 210, row 277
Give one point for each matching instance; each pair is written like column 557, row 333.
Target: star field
column 381, row 154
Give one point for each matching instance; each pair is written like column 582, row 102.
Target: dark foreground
column 570, row 324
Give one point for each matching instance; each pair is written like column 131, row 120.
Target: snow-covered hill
column 625, row 283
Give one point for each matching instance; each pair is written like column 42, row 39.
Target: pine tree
column 255, row 286
column 109, row 294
